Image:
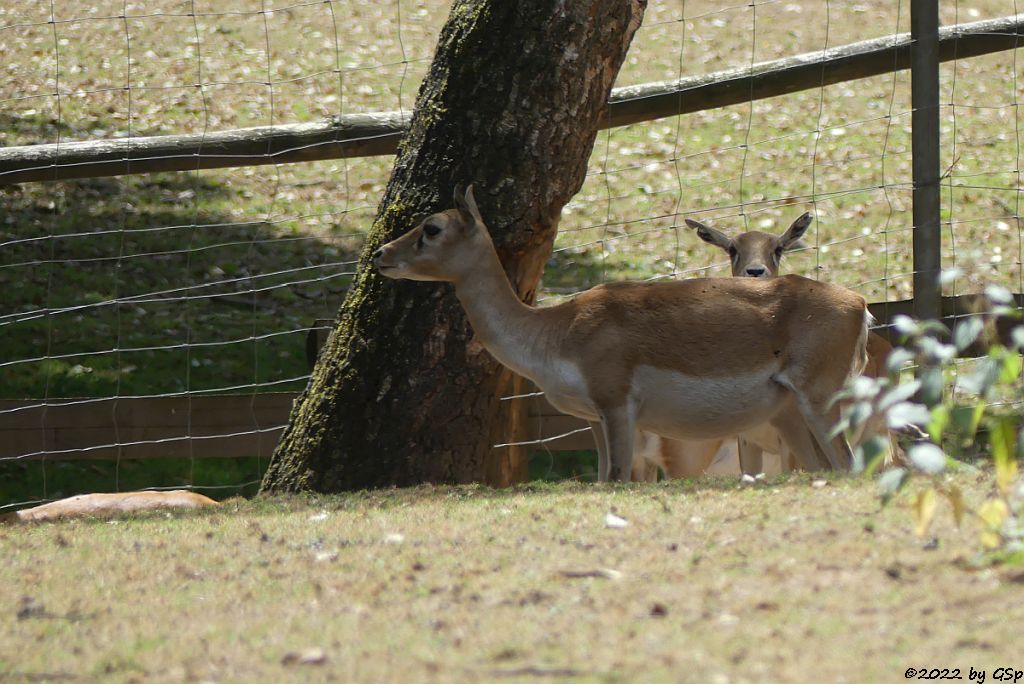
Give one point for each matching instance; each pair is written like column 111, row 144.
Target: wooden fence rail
column 209, row 426
column 360, row 135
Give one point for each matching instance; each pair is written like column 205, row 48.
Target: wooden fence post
column 924, row 77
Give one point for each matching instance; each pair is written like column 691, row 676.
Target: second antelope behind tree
column 696, row 358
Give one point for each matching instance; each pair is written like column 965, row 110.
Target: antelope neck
column 513, row 332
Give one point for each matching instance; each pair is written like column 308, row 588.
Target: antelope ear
column 466, row 205
column 710, row 235
column 790, row 240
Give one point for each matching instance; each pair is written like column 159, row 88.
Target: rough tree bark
column 401, row 394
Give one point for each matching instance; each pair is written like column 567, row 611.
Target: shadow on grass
column 131, row 263
column 154, row 284
column 216, row 478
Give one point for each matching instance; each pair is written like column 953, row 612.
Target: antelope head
column 755, row 254
column 444, row 246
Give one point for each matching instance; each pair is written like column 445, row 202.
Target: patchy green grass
column 708, row 581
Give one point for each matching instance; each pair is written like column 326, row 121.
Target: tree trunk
column 401, row 393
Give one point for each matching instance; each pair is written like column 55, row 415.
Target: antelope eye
column 732, row 251
column 431, row 229
column 778, row 252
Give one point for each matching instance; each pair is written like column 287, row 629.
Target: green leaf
column 927, row 457
column 863, row 387
column 997, row 294
column 890, row 482
column 900, row 392
column 859, row 413
column 931, row 386
column 1017, row 335
column 966, row 419
column 924, row 511
column 934, row 327
column 869, row 454
column 967, row 331
column 1002, row 435
column 900, row 357
column 948, row 275
column 981, row 381
column 1010, row 368
column 936, row 352
column 905, row 325
column 907, row 413
column 956, row 499
column 937, row 425
column 991, row 539
column 994, row 513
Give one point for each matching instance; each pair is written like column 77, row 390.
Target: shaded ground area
column 706, row 582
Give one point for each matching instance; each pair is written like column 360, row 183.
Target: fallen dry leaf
column 307, row 656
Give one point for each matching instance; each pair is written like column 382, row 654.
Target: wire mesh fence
column 182, row 287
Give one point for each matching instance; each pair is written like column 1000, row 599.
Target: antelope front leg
column 618, row 427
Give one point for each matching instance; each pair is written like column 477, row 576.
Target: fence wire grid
column 179, row 286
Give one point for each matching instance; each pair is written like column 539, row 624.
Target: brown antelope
column 700, row 358
column 754, row 254
column 106, row 505
column 758, row 255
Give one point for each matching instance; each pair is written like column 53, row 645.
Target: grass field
column 708, row 582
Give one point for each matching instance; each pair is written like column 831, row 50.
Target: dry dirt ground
column 707, row 581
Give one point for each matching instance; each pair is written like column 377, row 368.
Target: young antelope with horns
column 687, row 359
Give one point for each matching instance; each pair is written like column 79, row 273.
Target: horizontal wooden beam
column 200, row 426
column 362, row 135
column 203, row 426
column 355, row 135
column 953, row 309
column 843, row 63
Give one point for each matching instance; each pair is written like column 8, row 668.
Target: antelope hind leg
column 602, row 451
column 800, row 442
column 647, row 449
column 750, row 457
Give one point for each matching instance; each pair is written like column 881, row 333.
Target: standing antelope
column 754, row 254
column 697, row 358
column 758, row 255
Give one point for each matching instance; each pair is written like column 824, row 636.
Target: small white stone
column 614, row 521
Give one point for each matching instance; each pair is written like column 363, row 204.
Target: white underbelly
column 690, row 407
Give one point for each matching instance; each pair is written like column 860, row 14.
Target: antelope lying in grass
column 107, row 505
column 687, row 359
